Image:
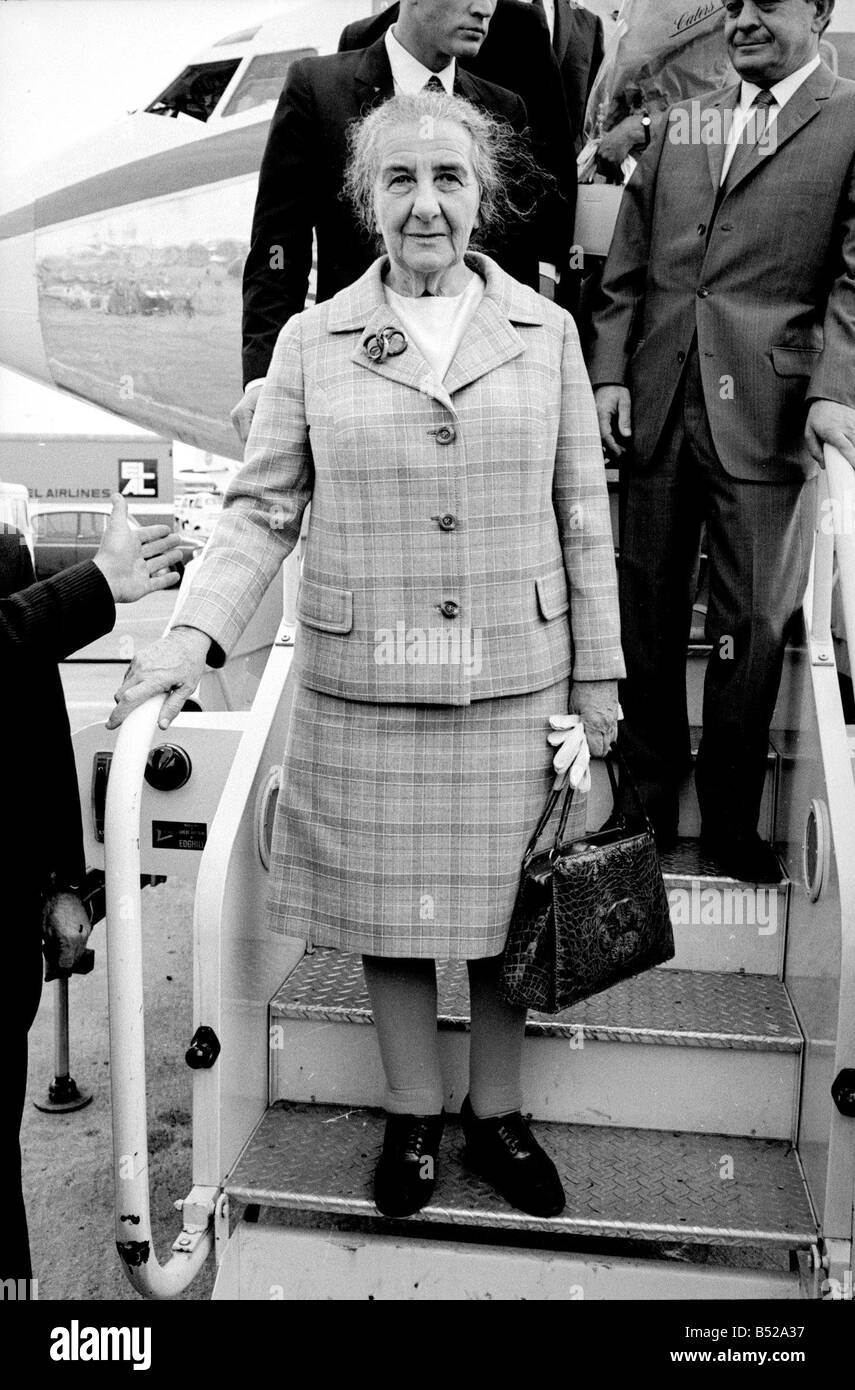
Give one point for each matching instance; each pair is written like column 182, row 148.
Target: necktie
column 751, row 136
column 433, row 85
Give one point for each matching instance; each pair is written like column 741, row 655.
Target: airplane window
column 196, row 92
column 264, row 79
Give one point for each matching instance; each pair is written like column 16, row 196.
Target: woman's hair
column 508, row 178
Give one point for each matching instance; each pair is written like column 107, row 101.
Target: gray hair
column 505, row 172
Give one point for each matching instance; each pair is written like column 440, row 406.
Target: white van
column 15, row 512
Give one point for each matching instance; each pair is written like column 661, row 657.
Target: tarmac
column 68, row 1158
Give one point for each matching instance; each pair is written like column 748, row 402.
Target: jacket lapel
column 565, row 22
column 801, row 108
column 725, row 101
column 374, row 74
column 490, row 340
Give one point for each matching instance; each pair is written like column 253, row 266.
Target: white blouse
column 436, row 323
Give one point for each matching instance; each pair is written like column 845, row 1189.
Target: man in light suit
column 723, row 360
column 302, row 171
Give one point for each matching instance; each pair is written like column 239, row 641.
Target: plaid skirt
column 400, row 829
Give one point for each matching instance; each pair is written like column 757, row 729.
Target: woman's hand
column 596, row 702
column 175, row 664
column 573, row 756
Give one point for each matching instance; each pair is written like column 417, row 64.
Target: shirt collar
column 408, row 74
column 783, row 90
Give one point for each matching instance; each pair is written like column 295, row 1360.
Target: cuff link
column 389, row 342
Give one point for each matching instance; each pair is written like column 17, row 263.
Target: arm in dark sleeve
column 276, row 274
column 552, row 139
column 59, row 615
column 616, row 317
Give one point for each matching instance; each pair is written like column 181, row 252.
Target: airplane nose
column 21, row 343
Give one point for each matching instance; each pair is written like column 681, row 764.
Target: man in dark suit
column 725, row 347
column 578, row 44
column 302, row 171
column 42, row 855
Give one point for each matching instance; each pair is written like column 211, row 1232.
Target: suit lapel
column 724, row 102
column 564, row 26
column 801, row 108
column 374, row 74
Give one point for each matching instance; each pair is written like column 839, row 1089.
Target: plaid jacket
column 458, row 532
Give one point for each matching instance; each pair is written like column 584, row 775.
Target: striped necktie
column 751, row 136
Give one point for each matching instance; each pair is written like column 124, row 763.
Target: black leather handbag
column 589, row 913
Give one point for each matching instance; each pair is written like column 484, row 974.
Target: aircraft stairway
column 669, row 1103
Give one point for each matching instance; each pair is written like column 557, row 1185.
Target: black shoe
column 745, row 857
column 405, row 1177
column 505, row 1152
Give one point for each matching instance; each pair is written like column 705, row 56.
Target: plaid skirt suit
column 458, row 573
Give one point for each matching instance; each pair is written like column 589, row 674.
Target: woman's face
column 426, row 195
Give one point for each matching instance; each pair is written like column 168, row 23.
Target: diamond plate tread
column 624, row 1183
column 686, row 860
column 675, row 1008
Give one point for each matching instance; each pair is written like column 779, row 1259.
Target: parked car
column 196, row 513
column 65, row 535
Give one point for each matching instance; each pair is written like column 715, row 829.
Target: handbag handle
column 612, row 756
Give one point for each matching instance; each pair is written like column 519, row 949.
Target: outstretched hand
column 136, row 562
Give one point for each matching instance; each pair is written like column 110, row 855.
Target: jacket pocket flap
column 552, row 594
column 791, row 361
column 323, row 607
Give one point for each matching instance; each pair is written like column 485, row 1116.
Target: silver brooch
column 389, row 342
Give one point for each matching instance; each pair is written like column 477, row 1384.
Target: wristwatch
column 646, row 124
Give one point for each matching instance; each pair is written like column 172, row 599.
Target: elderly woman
column 438, row 417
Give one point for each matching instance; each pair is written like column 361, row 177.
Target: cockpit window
column 196, row 92
column 264, row 79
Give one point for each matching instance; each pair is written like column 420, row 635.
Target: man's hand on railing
column 829, row 422
column 174, row 665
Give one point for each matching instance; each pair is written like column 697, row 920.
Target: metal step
column 710, row 1052
column 720, row 923
column 620, row 1183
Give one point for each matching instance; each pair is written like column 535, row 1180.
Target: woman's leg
column 403, row 1001
column 496, row 1043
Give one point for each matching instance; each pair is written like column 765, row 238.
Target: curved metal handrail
column 127, row 1030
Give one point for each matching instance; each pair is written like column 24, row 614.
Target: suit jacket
column 579, row 46
column 516, row 55
column 300, row 188
column 767, row 281
column 39, row 625
column 486, row 493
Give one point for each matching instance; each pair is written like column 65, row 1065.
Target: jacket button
column 702, row 226
column 447, row 522
column 703, row 292
column 449, row 609
column 681, row 357
column 445, row 435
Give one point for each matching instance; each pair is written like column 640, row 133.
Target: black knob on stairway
column 843, row 1092
column 203, row 1050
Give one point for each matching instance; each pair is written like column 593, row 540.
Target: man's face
column 769, row 39
column 450, row 28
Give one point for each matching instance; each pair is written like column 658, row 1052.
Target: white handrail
column 127, row 1030
column 841, row 488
